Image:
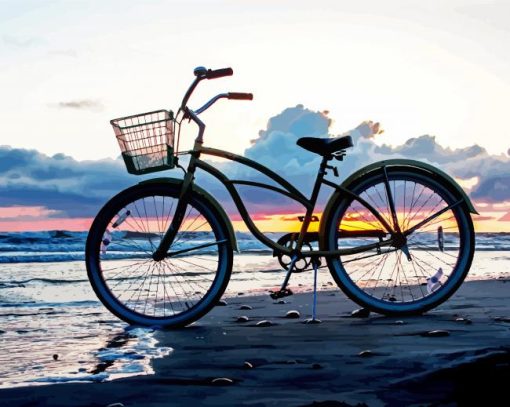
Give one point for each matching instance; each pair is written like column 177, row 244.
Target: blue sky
column 436, row 73
column 435, row 67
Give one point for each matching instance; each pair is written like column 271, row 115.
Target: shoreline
column 456, row 352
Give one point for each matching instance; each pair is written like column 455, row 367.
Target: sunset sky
column 435, row 74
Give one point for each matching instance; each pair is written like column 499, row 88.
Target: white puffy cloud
column 74, row 188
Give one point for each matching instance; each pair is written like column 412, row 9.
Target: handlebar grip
column 240, row 96
column 218, row 73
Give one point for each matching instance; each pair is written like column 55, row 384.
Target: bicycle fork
column 180, row 211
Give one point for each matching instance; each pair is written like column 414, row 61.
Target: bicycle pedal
column 280, row 293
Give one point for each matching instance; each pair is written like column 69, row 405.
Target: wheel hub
column 399, row 240
column 158, row 256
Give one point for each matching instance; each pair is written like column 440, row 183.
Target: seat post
column 313, row 200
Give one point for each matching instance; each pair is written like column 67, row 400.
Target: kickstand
column 315, row 264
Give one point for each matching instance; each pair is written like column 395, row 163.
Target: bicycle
column 397, row 235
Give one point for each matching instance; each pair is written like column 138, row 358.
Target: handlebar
column 200, row 73
column 240, row 96
column 218, row 73
column 204, row 73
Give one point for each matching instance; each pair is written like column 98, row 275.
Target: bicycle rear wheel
column 169, row 293
column 387, row 280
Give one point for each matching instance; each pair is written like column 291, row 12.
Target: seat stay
column 362, row 201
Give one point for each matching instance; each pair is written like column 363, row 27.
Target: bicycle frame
column 440, row 259
column 286, row 189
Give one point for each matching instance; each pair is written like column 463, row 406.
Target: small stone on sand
column 281, row 302
column 245, row 307
column 240, row 293
column 264, row 323
column 464, row 320
column 502, row 319
column 221, row 303
column 242, row 318
column 360, row 313
column 316, row 366
column 312, row 321
column 399, row 322
column 247, row 365
column 366, row 353
column 293, row 314
column 55, row 357
column 437, row 333
column 115, row 405
column 222, row 381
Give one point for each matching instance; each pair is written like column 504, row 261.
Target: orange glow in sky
column 18, row 219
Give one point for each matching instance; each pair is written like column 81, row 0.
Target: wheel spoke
column 434, row 236
column 432, row 217
column 163, row 292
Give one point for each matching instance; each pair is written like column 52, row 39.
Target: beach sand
column 370, row 361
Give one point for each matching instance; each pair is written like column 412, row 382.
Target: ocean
column 54, row 329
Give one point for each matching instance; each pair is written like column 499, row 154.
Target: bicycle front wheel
column 169, row 293
column 401, row 279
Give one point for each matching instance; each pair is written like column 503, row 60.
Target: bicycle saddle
column 325, row 146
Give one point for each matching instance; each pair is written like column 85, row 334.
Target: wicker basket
column 146, row 141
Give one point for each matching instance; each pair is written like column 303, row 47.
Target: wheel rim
column 438, row 250
column 175, row 289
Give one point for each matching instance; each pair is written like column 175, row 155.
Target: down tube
column 240, row 207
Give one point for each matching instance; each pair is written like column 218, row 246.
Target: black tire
column 440, row 258
column 177, row 290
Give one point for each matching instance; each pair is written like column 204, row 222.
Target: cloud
column 63, row 53
column 82, row 104
column 493, row 188
column 20, row 42
column 276, row 148
column 77, row 189
column 505, row 217
column 60, row 183
column 492, row 171
column 16, row 213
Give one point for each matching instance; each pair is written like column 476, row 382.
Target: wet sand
column 450, row 356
